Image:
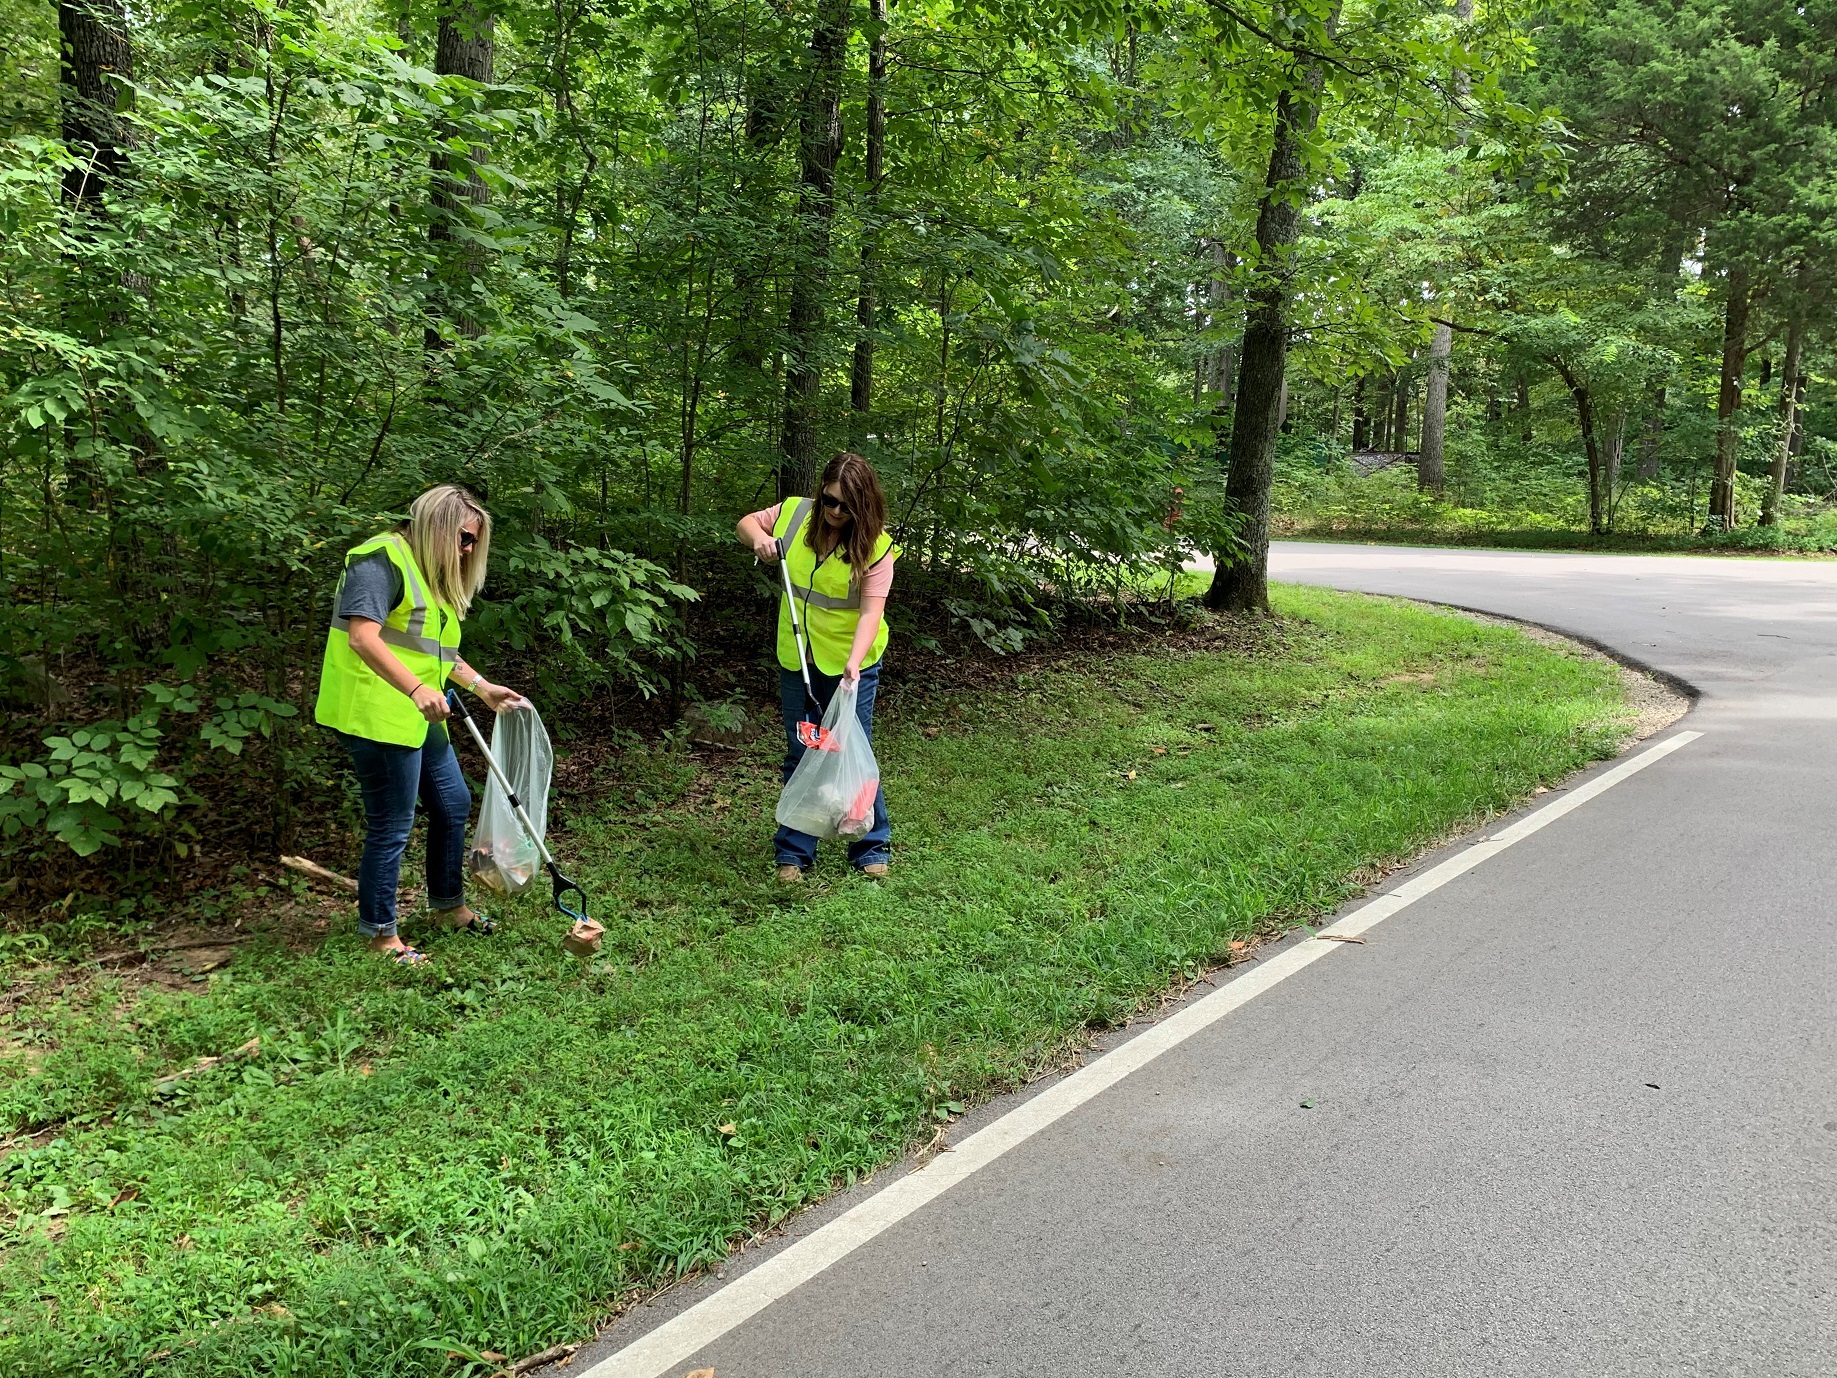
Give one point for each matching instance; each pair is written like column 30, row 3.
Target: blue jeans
column 799, row 849
column 391, row 778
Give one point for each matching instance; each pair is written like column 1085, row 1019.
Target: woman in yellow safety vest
column 393, row 643
column 840, row 558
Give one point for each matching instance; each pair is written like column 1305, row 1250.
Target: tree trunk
column 1400, row 419
column 1728, row 400
column 1610, row 465
column 93, row 37
column 1791, row 382
column 1521, row 403
column 464, row 47
column 820, row 145
column 1647, row 468
column 1242, row 581
column 1361, row 423
column 1224, row 360
column 1430, row 468
column 1585, row 418
column 765, row 121
column 861, row 378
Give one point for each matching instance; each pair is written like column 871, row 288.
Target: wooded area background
column 1088, row 282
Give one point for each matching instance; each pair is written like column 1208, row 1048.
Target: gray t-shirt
column 372, row 587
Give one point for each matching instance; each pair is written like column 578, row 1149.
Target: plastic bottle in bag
column 831, row 793
column 503, row 857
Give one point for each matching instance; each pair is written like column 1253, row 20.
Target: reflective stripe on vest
column 810, row 597
column 831, row 613
column 389, row 636
column 412, row 637
column 353, row 698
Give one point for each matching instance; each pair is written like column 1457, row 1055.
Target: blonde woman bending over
column 393, row 644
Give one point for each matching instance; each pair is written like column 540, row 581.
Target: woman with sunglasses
column 840, row 559
column 393, row 643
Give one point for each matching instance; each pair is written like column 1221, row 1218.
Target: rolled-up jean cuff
column 440, row 906
column 368, row 930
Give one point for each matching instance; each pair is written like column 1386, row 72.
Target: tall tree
column 1737, row 287
column 465, row 46
column 1792, row 389
column 1242, row 582
column 1431, row 466
column 97, row 62
column 861, row 374
column 819, row 148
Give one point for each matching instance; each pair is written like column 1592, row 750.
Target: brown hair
column 434, row 520
column 867, row 507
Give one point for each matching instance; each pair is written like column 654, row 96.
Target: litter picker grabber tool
column 810, row 730
column 583, row 938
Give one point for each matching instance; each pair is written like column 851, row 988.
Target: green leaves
column 239, row 717
column 590, row 616
column 79, row 792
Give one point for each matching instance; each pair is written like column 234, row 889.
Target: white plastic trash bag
column 503, row 857
column 831, row 793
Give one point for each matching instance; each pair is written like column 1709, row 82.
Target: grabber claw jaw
column 584, row 937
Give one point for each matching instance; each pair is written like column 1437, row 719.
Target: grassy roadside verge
column 1749, row 540
column 473, row 1159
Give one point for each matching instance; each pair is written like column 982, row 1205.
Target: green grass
column 1337, row 504
column 485, row 1155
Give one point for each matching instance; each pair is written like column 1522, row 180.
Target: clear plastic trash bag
column 503, row 857
column 831, row 793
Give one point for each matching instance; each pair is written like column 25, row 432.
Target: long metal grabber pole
column 562, row 885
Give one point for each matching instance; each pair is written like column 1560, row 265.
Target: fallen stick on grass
column 318, row 872
column 548, row 1356
column 204, row 1064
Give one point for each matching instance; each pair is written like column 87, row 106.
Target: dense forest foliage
column 1088, row 282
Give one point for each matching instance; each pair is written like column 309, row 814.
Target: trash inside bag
column 831, row 793
column 503, row 857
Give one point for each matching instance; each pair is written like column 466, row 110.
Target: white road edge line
column 683, row 1336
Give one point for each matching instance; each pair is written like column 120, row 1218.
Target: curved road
column 1575, row 1110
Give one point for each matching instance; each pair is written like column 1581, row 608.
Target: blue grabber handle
column 562, row 884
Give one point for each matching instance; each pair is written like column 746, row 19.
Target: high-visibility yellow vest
column 353, row 698
column 828, row 596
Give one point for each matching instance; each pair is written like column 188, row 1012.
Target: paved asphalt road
column 1576, row 1111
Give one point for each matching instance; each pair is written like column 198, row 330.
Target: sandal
column 406, row 956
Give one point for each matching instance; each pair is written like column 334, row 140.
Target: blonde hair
column 434, row 520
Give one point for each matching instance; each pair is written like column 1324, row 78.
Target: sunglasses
column 467, row 540
column 835, row 504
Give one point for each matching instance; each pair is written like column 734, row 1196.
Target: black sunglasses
column 467, row 540
column 834, row 504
